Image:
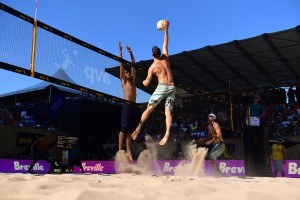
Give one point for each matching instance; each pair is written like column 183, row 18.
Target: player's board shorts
column 42, row 156
column 161, row 92
column 129, row 118
column 277, row 165
column 217, row 150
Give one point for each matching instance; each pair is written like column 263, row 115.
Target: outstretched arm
column 122, row 70
column 147, row 81
column 133, row 70
column 166, row 39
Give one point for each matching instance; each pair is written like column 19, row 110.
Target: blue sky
column 193, row 24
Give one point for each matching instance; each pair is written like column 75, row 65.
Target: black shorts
column 129, row 118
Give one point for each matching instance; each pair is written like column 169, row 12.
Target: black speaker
column 256, row 152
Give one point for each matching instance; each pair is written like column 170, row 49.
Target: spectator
column 278, row 158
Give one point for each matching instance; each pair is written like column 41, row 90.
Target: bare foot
column 135, row 133
column 129, row 155
column 164, row 140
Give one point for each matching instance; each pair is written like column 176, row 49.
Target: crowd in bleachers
column 190, row 122
column 190, row 117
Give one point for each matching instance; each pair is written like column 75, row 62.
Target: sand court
column 132, row 186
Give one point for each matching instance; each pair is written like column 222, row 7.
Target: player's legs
column 217, row 150
column 31, row 166
column 36, row 157
column 144, row 117
column 79, row 164
column 125, row 121
column 275, row 170
column 121, row 138
column 217, row 170
column 49, row 159
column 168, row 113
column 128, row 146
column 280, row 168
column 52, row 162
column 81, row 168
column 155, row 99
column 282, row 174
column 72, row 163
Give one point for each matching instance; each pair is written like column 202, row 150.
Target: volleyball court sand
column 142, row 182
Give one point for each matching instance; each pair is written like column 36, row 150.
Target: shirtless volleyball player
column 128, row 121
column 165, row 88
column 214, row 138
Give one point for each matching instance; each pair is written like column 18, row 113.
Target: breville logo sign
column 20, row 167
column 293, row 168
column 231, row 169
column 95, row 168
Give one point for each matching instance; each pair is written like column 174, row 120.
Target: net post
column 33, row 50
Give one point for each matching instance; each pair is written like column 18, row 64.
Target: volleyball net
column 43, row 52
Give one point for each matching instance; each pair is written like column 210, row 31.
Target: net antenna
column 33, row 49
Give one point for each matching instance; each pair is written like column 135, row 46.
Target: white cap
column 212, row 115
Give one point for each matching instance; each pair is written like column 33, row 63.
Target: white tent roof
column 40, row 86
column 43, row 84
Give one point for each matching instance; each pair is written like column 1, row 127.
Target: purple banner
column 167, row 167
column 228, row 167
column 291, row 169
column 96, row 167
column 22, row 166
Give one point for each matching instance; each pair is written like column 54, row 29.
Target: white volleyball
column 161, row 25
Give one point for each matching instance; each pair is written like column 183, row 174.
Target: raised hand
column 128, row 48
column 166, row 25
